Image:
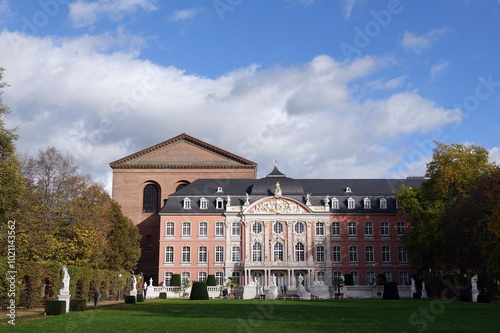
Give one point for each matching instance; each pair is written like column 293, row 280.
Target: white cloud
column 380, row 84
column 419, row 43
column 346, row 6
column 495, row 153
column 438, row 69
column 84, row 13
column 101, row 105
column 185, row 14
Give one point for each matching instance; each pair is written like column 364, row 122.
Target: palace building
column 201, row 211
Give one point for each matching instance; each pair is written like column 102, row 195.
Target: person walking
column 96, row 296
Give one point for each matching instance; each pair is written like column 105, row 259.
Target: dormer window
column 219, row 189
column 203, row 203
column 383, row 203
column 348, row 190
column 367, row 204
column 350, row 203
column 335, row 203
column 187, row 203
column 219, row 203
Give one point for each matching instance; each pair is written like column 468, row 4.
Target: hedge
column 38, row 283
column 211, row 281
column 390, row 291
column 176, row 280
column 199, row 291
column 55, row 308
column 130, row 299
column 77, row 305
column 163, row 295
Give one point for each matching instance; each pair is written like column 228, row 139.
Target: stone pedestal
column 474, row 295
column 320, row 290
column 272, row 293
column 66, row 299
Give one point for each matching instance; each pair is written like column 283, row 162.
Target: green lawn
column 351, row 315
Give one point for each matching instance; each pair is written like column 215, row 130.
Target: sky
column 330, row 89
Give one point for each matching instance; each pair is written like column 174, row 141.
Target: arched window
column 257, row 252
column 150, row 198
column 299, row 252
column 278, row 252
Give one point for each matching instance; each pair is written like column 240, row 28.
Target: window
column 219, row 278
column 186, row 228
column 367, row 204
column 202, row 254
column 388, row 276
column 403, row 278
column 203, row 203
column 355, row 277
column 278, row 252
column 337, row 274
column 320, row 228
column 187, row 203
column 348, row 189
column 370, row 278
column 219, row 254
column 369, row 254
column 150, row 199
column 169, row 229
column 320, row 276
column 369, row 229
column 219, row 189
column 278, row 227
column 350, row 203
column 335, row 228
column 353, row 254
column 236, row 276
column 320, row 253
column 352, row 229
column 400, row 228
column 219, row 203
column 202, row 276
column 257, row 252
column 383, row 203
column 203, row 231
column 235, row 229
column 299, row 252
column 186, row 254
column 167, row 276
column 386, row 254
column 384, row 229
column 336, row 254
column 235, row 254
column 402, row 257
column 335, row 203
column 219, row 228
column 257, row 228
column 185, row 276
column 299, row 227
column 169, row 254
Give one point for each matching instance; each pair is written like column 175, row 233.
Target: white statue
column 299, row 280
column 65, row 282
column 273, row 280
column 163, row 284
column 308, row 198
column 134, row 284
column 145, row 285
column 424, row 291
column 327, row 200
column 474, row 290
column 151, row 281
column 277, row 192
column 228, row 200
column 413, row 286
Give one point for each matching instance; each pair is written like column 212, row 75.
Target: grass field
column 225, row 315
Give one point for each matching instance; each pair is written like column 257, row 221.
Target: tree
column 452, row 173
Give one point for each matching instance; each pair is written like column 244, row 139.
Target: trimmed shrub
column 348, row 280
column 483, row 298
column 55, row 307
column 140, row 298
column 176, row 280
column 390, row 291
column 211, row 281
column 77, row 305
column 163, row 295
column 199, row 291
column 465, row 298
column 130, row 299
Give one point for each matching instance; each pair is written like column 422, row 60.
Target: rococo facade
column 275, row 226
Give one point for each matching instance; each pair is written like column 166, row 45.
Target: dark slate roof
column 374, row 189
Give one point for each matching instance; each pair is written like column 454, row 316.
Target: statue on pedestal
column 474, row 290
column 65, row 282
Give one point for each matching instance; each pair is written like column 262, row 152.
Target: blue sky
column 331, row 89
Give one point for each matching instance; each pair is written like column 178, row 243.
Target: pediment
column 183, row 151
column 280, row 205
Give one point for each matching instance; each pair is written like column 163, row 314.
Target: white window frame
column 403, row 278
column 186, row 228
column 383, row 203
column 257, row 227
column 353, row 254
column 320, row 276
column 202, row 254
column 278, row 252
column 203, row 203
column 169, row 254
column 235, row 229
column 355, row 277
column 320, row 229
column 388, row 276
column 370, row 253
column 369, row 228
column 299, row 227
column 278, row 227
column 219, row 254
column 351, row 203
column 367, row 203
column 186, row 254
column 169, row 228
column 335, row 203
column 400, row 228
column 202, row 276
column 300, row 252
column 336, row 229
column 257, row 252
column 320, row 253
column 235, row 253
column 402, row 255
column 352, row 229
column 386, row 254
column 385, row 231
column 337, row 253
column 186, row 203
column 219, row 228
column 219, row 278
column 219, row 203
column 370, row 278
column 203, row 229
column 185, row 276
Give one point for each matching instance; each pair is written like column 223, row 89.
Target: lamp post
column 119, row 285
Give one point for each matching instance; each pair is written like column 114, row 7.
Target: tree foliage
column 440, row 235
